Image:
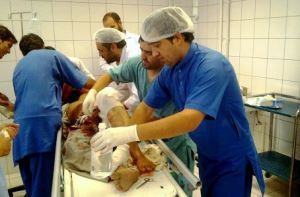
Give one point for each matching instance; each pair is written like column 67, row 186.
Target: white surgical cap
column 108, row 35
column 164, row 23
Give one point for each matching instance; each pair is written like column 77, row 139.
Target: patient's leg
column 112, row 110
column 118, row 116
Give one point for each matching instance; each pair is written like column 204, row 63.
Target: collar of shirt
column 187, row 57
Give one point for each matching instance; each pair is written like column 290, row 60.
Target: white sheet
column 161, row 186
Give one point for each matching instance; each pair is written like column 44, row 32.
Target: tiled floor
column 274, row 188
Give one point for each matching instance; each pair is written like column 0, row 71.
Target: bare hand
column 4, row 101
column 12, row 129
column 144, row 165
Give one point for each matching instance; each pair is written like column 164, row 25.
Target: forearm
column 102, row 82
column 143, row 113
column 171, row 126
column 89, row 84
column 11, row 106
column 135, row 151
column 8, row 105
column 118, row 116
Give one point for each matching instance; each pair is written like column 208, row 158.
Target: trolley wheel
column 268, row 174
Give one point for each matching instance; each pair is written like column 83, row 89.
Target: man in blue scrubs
column 37, row 79
column 7, row 40
column 142, row 70
column 202, row 84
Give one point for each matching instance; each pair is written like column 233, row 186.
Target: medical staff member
column 7, row 131
column 112, row 47
column 7, row 40
column 142, row 70
column 37, row 81
column 113, row 20
column 202, row 84
column 70, row 94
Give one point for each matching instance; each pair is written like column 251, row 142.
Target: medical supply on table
column 5, row 112
column 146, row 180
column 265, row 101
column 101, row 163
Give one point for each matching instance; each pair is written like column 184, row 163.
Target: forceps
column 146, row 180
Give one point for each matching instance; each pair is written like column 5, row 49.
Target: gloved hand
column 120, row 156
column 89, row 102
column 107, row 139
column 107, row 99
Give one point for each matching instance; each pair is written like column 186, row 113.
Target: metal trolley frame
column 275, row 163
column 58, row 174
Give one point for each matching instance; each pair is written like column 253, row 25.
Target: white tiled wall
column 67, row 25
column 260, row 37
column 265, row 31
column 264, row 45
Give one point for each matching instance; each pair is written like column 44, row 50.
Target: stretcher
column 71, row 184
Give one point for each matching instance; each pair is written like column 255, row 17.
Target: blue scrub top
column 134, row 71
column 205, row 81
column 37, row 81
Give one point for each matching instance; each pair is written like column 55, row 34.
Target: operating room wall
column 264, row 49
column 264, row 45
column 260, row 37
column 67, row 25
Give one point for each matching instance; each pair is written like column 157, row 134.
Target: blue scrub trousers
column 37, row 172
column 227, row 178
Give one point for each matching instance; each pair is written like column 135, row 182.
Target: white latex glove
column 120, row 156
column 107, row 139
column 89, row 102
column 107, row 99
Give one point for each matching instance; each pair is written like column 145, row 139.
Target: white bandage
column 107, row 99
column 120, row 156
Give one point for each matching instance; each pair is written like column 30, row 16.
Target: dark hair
column 113, row 15
column 30, row 42
column 120, row 44
column 6, row 35
column 188, row 37
column 49, row 48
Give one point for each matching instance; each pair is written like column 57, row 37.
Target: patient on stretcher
column 76, row 151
